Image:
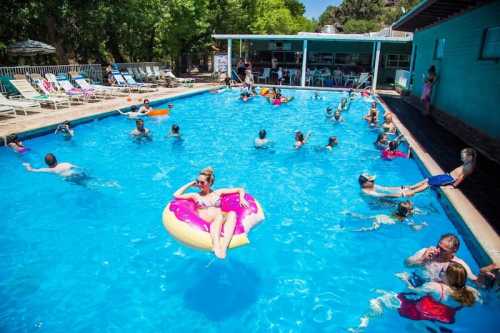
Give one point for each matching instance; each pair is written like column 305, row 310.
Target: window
column 397, row 61
column 439, row 48
column 490, row 48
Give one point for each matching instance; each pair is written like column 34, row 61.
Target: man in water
column 140, row 131
column 63, row 169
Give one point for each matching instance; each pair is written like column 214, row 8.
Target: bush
column 361, row 26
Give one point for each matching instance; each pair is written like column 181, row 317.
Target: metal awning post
column 304, row 64
column 375, row 72
column 374, row 48
column 240, row 48
column 229, row 51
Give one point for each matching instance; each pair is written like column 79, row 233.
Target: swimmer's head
column 139, row 124
column 175, row 129
column 67, row 123
column 405, row 209
column 393, row 145
column 456, row 278
column 337, row 115
column 205, row 179
column 366, row 180
column 468, row 155
column 382, row 137
column 50, row 160
column 133, row 108
column 374, row 105
column 146, row 101
column 12, row 138
column 447, row 246
column 262, row 134
column 299, row 136
column 332, row 141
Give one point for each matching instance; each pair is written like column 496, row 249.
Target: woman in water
column 208, row 208
column 382, row 142
column 429, row 82
column 454, row 178
column 175, row 131
column 388, row 126
column 392, row 152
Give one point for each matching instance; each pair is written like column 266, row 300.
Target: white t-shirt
column 434, row 270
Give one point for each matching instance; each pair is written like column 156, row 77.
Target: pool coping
column 485, row 242
column 52, row 125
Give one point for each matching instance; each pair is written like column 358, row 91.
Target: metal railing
column 91, row 71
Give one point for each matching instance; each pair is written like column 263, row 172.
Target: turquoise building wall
column 468, row 88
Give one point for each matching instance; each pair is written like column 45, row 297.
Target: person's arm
column 179, row 194
column 239, row 190
column 30, row 168
column 420, row 257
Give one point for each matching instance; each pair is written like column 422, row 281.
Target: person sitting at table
column 337, row 76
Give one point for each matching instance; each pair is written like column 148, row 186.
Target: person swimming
column 261, row 141
column 140, row 131
column 392, row 152
column 368, row 187
column 15, row 144
column 66, row 130
column 63, row 169
column 300, row 139
column 175, row 131
column 338, row 117
column 332, row 141
column 382, row 141
column 404, row 210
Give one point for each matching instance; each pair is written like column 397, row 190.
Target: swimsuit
column 440, row 180
column 207, row 201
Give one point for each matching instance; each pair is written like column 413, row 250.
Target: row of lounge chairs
column 155, row 75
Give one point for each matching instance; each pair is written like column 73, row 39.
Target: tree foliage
column 142, row 30
column 359, row 16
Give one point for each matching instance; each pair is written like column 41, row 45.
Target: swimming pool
column 97, row 258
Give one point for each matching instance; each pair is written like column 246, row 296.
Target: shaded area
column 221, row 290
column 482, row 188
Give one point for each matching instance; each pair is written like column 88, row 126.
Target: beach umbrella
column 30, row 48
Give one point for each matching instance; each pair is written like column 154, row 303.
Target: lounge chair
column 138, row 75
column 52, row 78
column 7, row 111
column 46, row 87
column 143, row 86
column 184, row 81
column 99, row 89
column 85, row 95
column 20, row 104
column 28, row 92
column 151, row 74
column 120, row 81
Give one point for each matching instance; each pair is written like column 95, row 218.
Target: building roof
column 370, row 37
column 429, row 12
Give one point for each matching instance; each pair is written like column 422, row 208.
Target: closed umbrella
column 30, row 48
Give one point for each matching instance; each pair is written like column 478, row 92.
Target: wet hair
column 140, row 122
column 332, row 141
column 393, row 145
column 175, row 128
column 262, row 134
column 133, row 108
column 337, row 115
column 404, row 209
column 208, row 172
column 456, row 278
column 299, row 136
column 50, row 160
column 454, row 241
column 67, row 123
column 12, row 138
column 363, row 179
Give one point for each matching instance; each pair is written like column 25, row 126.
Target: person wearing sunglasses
column 435, row 260
column 208, row 207
column 146, row 108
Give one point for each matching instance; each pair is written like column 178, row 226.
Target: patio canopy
column 30, row 47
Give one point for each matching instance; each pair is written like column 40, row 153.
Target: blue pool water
column 97, row 258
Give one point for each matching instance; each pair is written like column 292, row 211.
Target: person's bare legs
column 229, row 227
column 215, row 228
column 420, row 186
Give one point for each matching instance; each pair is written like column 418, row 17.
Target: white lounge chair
column 7, row 111
column 120, row 81
column 100, row 89
column 364, row 80
column 71, row 91
column 151, row 74
column 28, row 92
column 20, row 104
column 182, row 80
column 266, row 75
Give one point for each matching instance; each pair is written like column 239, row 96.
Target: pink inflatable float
column 181, row 220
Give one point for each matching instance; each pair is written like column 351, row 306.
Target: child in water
column 175, row 131
column 332, row 141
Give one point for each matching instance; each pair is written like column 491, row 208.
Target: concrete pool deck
column 50, row 117
column 478, row 194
